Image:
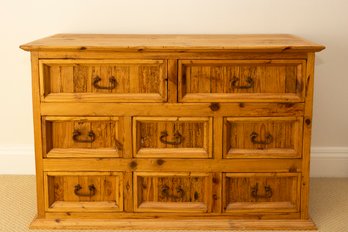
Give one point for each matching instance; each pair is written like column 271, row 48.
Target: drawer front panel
column 83, row 191
column 268, row 137
column 172, row 137
column 172, row 192
column 266, row 192
column 240, row 80
column 104, row 81
column 82, row 137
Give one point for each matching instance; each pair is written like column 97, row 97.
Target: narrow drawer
column 83, row 191
column 241, row 80
column 172, row 137
column 264, row 192
column 103, row 80
column 82, row 137
column 172, row 192
column 262, row 137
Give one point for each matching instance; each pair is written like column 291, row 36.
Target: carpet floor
column 328, row 204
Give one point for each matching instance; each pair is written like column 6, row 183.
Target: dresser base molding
column 173, row 224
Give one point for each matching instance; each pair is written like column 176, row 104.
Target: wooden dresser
column 172, row 131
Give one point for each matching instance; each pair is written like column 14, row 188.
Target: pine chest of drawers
column 172, row 131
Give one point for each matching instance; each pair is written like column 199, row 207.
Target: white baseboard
column 17, row 159
column 325, row 161
column 329, row 162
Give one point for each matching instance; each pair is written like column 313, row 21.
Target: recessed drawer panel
column 264, row 192
column 82, row 137
column 263, row 137
column 171, row 192
column 241, row 80
column 103, row 80
column 83, row 191
column 172, row 137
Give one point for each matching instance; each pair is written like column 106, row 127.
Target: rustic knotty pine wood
column 59, row 142
column 76, row 99
column 109, row 196
column 174, row 224
column 247, row 43
column 307, row 132
column 37, row 135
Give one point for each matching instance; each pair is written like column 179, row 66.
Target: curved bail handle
column 179, row 190
column 268, row 138
column 235, row 80
column 268, row 192
column 77, row 134
column 91, row 188
column 112, row 81
column 178, row 138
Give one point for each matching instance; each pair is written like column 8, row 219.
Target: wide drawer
column 83, row 191
column 262, row 137
column 172, row 192
column 261, row 192
column 172, row 137
column 103, row 80
column 82, row 137
column 241, row 80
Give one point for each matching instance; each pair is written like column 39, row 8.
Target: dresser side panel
column 37, row 134
column 307, row 131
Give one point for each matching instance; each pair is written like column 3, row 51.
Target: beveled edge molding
column 173, row 224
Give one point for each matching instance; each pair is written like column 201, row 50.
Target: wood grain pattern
column 75, row 80
column 170, row 109
column 172, row 80
column 175, row 224
column 60, row 141
column 37, row 135
column 236, row 111
column 61, row 196
column 172, row 192
column 284, row 192
column 307, row 134
column 273, row 137
column 173, row 164
column 241, row 80
column 167, row 215
column 175, row 55
column 184, row 137
column 143, row 43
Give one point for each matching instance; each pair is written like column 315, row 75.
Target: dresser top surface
column 157, row 42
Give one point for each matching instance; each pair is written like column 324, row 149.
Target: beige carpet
column 328, row 204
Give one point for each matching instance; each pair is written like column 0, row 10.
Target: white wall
column 322, row 21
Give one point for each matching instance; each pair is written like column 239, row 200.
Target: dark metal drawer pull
column 165, row 192
column 177, row 138
column 91, row 189
column 112, row 81
column 268, row 139
column 77, row 134
column 255, row 189
column 236, row 80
